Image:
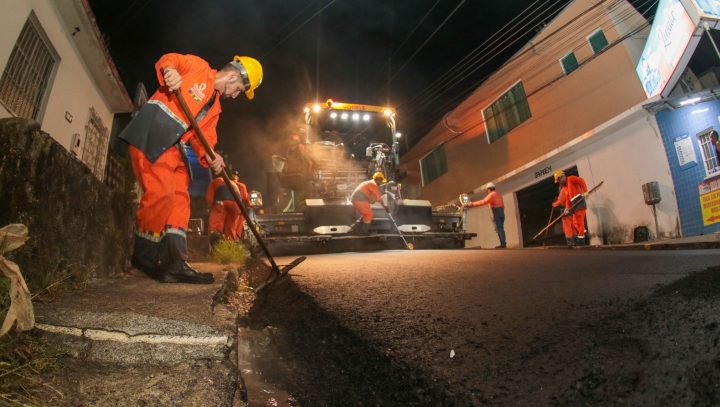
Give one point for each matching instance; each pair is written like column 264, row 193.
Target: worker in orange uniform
column 567, row 225
column 225, row 215
column 156, row 136
column 367, row 193
column 217, row 194
column 575, row 206
column 497, row 206
column 236, row 220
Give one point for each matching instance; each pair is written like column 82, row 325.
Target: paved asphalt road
column 464, row 316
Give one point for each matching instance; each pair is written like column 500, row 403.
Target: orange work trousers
column 364, row 209
column 567, row 226
column 578, row 222
column 165, row 203
column 226, row 218
column 216, row 221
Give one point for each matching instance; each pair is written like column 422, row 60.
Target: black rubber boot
column 173, row 263
column 358, row 228
column 570, row 241
column 146, row 255
column 182, row 272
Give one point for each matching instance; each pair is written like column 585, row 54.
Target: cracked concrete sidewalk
column 134, row 341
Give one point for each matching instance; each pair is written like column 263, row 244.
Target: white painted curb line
column 123, row 337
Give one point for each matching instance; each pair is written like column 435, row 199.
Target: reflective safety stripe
column 169, row 112
column 175, row 231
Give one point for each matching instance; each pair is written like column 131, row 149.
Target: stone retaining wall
column 77, row 224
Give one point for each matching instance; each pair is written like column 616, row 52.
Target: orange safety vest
column 366, row 191
column 161, row 122
column 493, row 199
column 574, row 186
column 198, row 86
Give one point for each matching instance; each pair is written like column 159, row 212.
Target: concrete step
column 134, row 341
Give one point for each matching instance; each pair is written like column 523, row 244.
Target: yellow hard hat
column 251, row 73
column 558, row 174
column 379, row 175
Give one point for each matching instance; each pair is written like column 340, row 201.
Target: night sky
column 347, row 50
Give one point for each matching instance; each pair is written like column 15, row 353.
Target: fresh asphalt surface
column 463, row 316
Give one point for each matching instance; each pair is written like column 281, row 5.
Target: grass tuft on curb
column 227, row 252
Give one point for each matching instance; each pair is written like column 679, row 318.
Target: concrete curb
column 647, row 246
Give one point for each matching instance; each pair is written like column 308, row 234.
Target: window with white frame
column 95, row 145
column 709, row 153
column 597, row 41
column 507, row 112
column 25, row 82
column 569, row 63
column 433, row 165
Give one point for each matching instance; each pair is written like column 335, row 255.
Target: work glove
column 219, row 203
column 567, row 212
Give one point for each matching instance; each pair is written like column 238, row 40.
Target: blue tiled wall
column 689, row 120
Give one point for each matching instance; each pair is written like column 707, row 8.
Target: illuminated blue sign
column 669, row 36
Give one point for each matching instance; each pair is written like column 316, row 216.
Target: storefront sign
column 669, row 36
column 545, row 171
column 685, row 151
column 709, row 192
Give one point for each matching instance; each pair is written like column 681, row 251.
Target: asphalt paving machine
column 306, row 207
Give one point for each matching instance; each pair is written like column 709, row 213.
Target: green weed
column 226, row 252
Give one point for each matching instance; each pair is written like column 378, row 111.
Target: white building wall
column 72, row 90
column 625, row 153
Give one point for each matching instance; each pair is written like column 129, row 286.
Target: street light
column 398, row 135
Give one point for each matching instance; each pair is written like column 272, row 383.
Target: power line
column 621, row 39
column 630, row 14
column 480, row 48
column 497, row 53
column 422, row 20
column 330, row 3
column 428, row 39
column 469, row 70
column 573, row 44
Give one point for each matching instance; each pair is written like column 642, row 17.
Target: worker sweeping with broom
column 574, row 203
column 158, row 157
column 362, row 199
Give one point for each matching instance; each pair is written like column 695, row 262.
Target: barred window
column 95, row 145
column 433, row 165
column 597, row 41
column 507, row 112
column 709, row 153
column 25, row 81
column 569, row 63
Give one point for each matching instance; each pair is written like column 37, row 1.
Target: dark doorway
column 534, row 205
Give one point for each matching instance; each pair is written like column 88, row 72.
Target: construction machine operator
column 362, row 198
column 158, row 159
column 497, row 206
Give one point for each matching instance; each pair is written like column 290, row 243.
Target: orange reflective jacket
column 198, row 87
column 575, row 185
column 366, row 191
column 493, row 199
column 243, row 192
column 560, row 201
